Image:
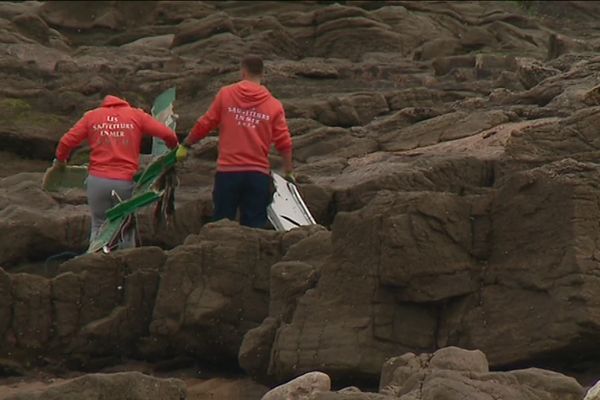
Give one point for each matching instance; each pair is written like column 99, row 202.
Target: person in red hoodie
column 114, row 132
column 250, row 120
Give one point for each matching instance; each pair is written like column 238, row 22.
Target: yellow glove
column 181, row 153
column 290, row 177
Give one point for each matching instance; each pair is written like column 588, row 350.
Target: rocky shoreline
column 448, row 151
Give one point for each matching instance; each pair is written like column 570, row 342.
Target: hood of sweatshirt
column 249, row 94
column 113, row 101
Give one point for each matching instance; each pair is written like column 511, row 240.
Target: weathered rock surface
column 119, row 386
column 97, row 306
column 302, row 388
column 214, row 289
column 34, row 225
column 198, row 299
column 453, row 373
column 426, row 270
column 451, row 147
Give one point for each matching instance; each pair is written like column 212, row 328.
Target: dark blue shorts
column 250, row 192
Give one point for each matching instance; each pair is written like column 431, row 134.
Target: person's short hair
column 253, row 64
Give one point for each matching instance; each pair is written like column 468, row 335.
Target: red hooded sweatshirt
column 250, row 119
column 114, row 132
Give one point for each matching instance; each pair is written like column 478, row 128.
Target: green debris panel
column 149, row 189
column 108, row 234
column 72, row 176
column 146, row 178
column 162, row 110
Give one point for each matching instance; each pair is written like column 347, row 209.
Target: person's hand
column 58, row 165
column 181, row 153
column 290, row 177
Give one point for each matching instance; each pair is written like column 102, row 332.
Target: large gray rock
column 463, row 375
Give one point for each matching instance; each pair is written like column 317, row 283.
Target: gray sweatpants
column 100, row 199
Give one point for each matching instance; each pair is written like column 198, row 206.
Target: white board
column 287, row 211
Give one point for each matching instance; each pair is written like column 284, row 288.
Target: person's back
column 250, row 120
column 114, row 132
